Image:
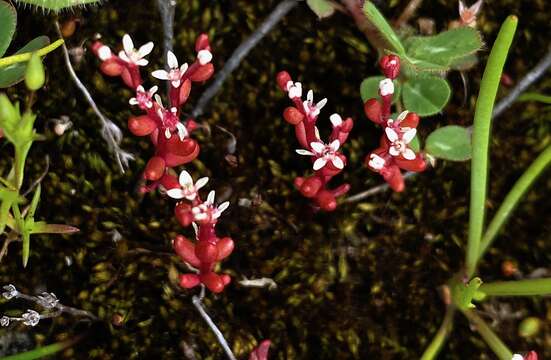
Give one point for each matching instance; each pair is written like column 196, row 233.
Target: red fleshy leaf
column 212, row 281
column 292, row 115
column 188, row 281
column 155, row 168
column 283, row 78
column 141, row 125
column 225, row 247
column 203, row 73
column 185, row 249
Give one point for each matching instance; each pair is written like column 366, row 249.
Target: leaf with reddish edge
column 186, row 250
column 177, row 152
column 185, row 90
column 225, row 247
column 183, row 214
column 206, row 251
column 188, row 281
column 261, row 351
column 326, row 200
column 141, row 125
column 212, row 281
column 203, row 73
column 155, row 168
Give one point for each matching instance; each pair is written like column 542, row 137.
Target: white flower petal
column 201, row 216
column 160, row 74
column 153, row 90
column 391, row 134
column 386, row 87
column 175, row 83
column 335, row 119
column 393, row 151
column 318, row 147
column 211, row 196
column 195, row 229
column 409, row 135
column 321, row 104
column 319, row 163
column 123, row 56
column 104, row 53
column 133, row 101
column 201, row 182
column 182, row 131
column 204, row 57
column 402, row 116
column 183, row 69
column 408, row 154
column 317, row 132
column 142, row 62
column 223, row 206
column 145, row 49
column 127, row 44
column 289, row 85
column 168, row 135
column 172, row 61
column 185, row 179
column 376, row 162
column 335, row 144
column 310, row 97
column 516, row 356
column 337, row 162
column 175, row 193
column 304, row 152
column 140, row 88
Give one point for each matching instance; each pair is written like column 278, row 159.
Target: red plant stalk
column 174, row 147
column 326, row 159
column 394, row 153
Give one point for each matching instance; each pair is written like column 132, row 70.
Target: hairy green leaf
column 56, row 5
column 322, row 8
column 450, row 143
column 8, row 21
column 426, row 95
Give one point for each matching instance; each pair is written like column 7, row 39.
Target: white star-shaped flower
column 324, row 153
column 399, row 144
column 376, row 162
column 143, row 98
column 294, row 89
column 207, row 211
column 310, row 108
column 133, row 56
column 188, row 189
column 175, row 74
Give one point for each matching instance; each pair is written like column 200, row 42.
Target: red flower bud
column 127, row 78
column 154, row 169
column 177, row 152
column 308, row 187
column 183, row 214
column 202, row 43
column 206, row 251
column 226, row 279
column 225, row 247
column 141, row 125
column 292, row 115
column 186, row 250
column 170, row 181
column 203, row 73
column 283, row 78
column 532, row 355
column 326, row 200
column 188, row 281
column 374, row 110
column 390, row 65
column 411, row 120
column 185, row 89
column 212, row 281
column 111, row 67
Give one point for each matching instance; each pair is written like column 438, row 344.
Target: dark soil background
column 359, row 283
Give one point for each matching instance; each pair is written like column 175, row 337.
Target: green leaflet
column 426, row 95
column 322, row 8
column 450, row 142
column 8, row 21
column 369, row 88
column 56, row 5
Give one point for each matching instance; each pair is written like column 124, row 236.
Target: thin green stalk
column 44, row 350
column 441, row 336
column 378, row 20
column 493, row 341
column 529, row 287
column 10, row 60
column 513, row 197
column 481, row 137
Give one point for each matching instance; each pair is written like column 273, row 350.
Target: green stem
column 378, row 20
column 529, row 287
column 481, row 137
column 10, row 60
column 513, row 197
column 44, row 350
column 441, row 336
column 493, row 341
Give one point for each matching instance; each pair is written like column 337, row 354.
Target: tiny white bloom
column 143, row 98
column 133, row 56
column 386, row 87
column 324, row 153
column 204, row 57
column 104, row 53
column 336, row 120
column 175, row 74
column 48, row 300
column 207, row 211
column 31, row 318
column 310, row 108
column 399, row 145
column 188, row 189
column 294, row 89
column 10, row 292
column 517, row 357
column 376, row 162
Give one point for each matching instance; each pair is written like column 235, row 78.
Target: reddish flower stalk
column 326, row 159
column 394, row 152
column 174, row 147
column 261, row 351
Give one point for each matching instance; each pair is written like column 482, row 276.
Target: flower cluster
column 208, row 250
column 532, row 355
column 327, row 160
column 394, row 152
column 171, row 137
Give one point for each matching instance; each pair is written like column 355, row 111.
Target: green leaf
column 533, row 96
column 379, row 21
column 369, row 88
column 34, row 202
column 12, row 74
column 426, row 95
column 56, row 5
column 322, row 8
column 7, row 199
column 41, row 227
column 463, row 294
column 442, row 49
column 450, row 142
column 415, row 144
column 8, row 21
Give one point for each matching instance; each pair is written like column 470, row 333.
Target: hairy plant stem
column 241, row 52
column 441, row 336
column 493, row 341
column 513, row 198
column 197, row 302
column 481, row 138
column 14, row 59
